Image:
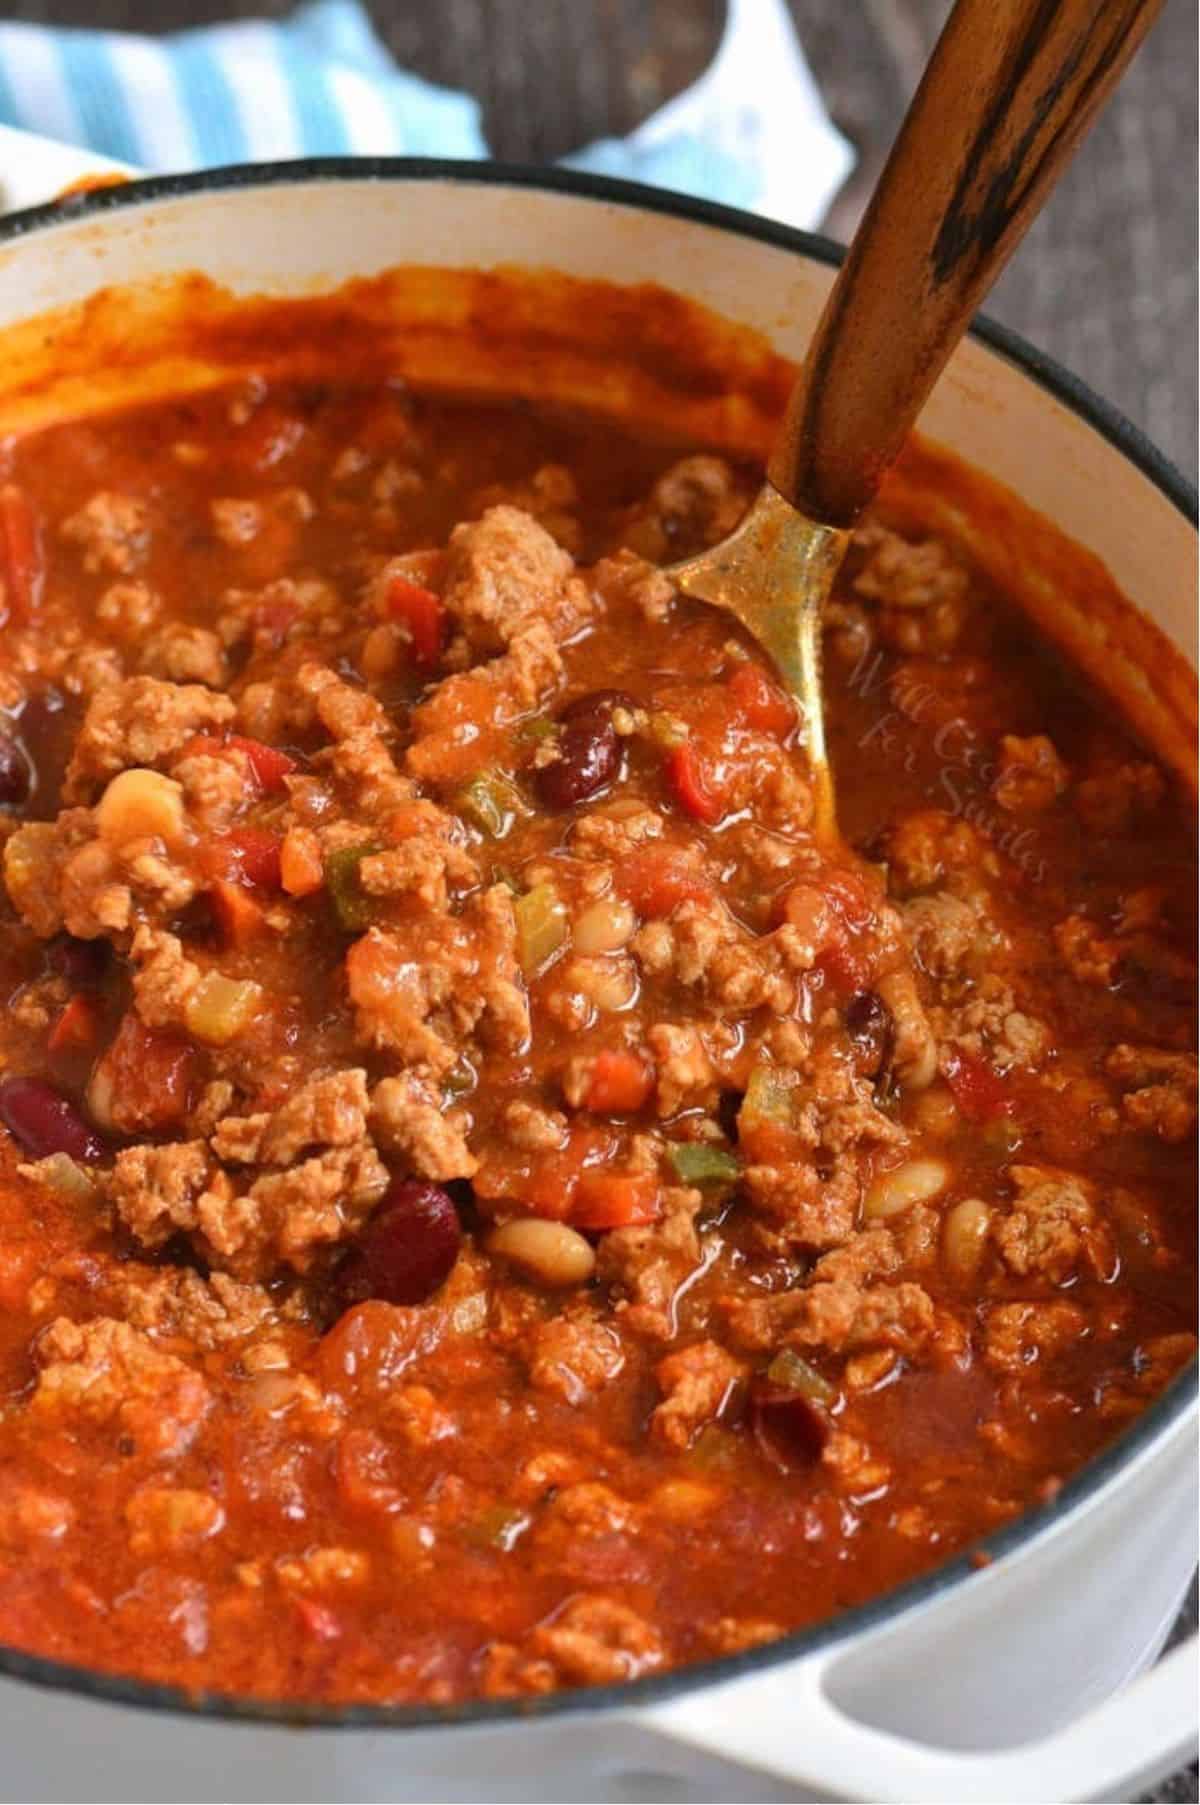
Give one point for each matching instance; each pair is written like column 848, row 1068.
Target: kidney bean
column 408, row 1247
column 589, row 757
column 43, row 1121
column 790, row 1428
column 870, row 1026
column 597, row 705
column 15, row 772
column 82, row 963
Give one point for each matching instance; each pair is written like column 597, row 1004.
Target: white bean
column 604, row 926
column 964, row 1236
column 140, row 805
column 916, row 1181
column 550, row 1252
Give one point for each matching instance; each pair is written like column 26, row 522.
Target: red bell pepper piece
column 422, row 613
column 605, row 1200
column 620, row 1083
column 691, row 784
column 979, row 1091
column 656, row 879
column 22, row 565
column 761, row 703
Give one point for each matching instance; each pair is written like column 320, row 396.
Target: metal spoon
column 1009, row 92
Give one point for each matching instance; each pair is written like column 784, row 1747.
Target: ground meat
column 216, row 787
column 1089, row 955
column 702, row 947
column 426, row 866
column 528, row 1125
column 595, row 1641
column 421, row 989
column 628, row 578
column 1031, row 777
column 141, row 721
column 698, row 501
column 930, row 848
column 328, row 1111
column 1159, row 1087
column 112, row 531
column 991, row 1027
column 840, row 1308
column 166, row 1520
column 1052, row 1226
column 574, row 1354
column 615, row 831
column 409, row 1122
column 922, row 589
column 164, row 979
column 62, row 874
column 946, row 933
column 685, row 1075
column 89, row 669
column 157, row 1190
column 647, row 1266
column 697, row 1384
column 283, row 1218
column 801, row 1207
column 1110, row 802
column 174, row 1301
column 446, row 724
column 359, row 759
column 287, row 1218
column 236, row 522
column 129, row 609
column 289, row 610
column 1018, row 1335
column 185, row 655
column 114, row 1376
column 504, row 572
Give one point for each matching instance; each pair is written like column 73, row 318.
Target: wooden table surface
column 1106, row 281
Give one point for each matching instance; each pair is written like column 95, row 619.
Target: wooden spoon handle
column 1012, row 87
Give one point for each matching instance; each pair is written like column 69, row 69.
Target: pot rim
column 1165, row 1414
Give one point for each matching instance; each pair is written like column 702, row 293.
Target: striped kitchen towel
column 752, row 131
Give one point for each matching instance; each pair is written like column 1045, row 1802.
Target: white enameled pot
column 1015, row 1680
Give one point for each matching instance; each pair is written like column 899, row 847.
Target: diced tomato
column 238, row 916
column 421, row 612
column 77, row 1026
column 268, row 763
column 849, row 894
column 656, row 879
column 691, row 784
column 761, row 703
column 247, row 855
column 317, row 1620
column 981, row 1094
column 147, row 1075
column 605, row 1200
column 834, row 913
column 22, row 566
column 620, row 1083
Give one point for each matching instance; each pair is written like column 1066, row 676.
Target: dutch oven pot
column 1007, row 1678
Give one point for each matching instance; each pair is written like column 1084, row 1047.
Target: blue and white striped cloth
column 320, row 83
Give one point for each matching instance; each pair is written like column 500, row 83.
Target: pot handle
column 786, row 1724
column 34, row 170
